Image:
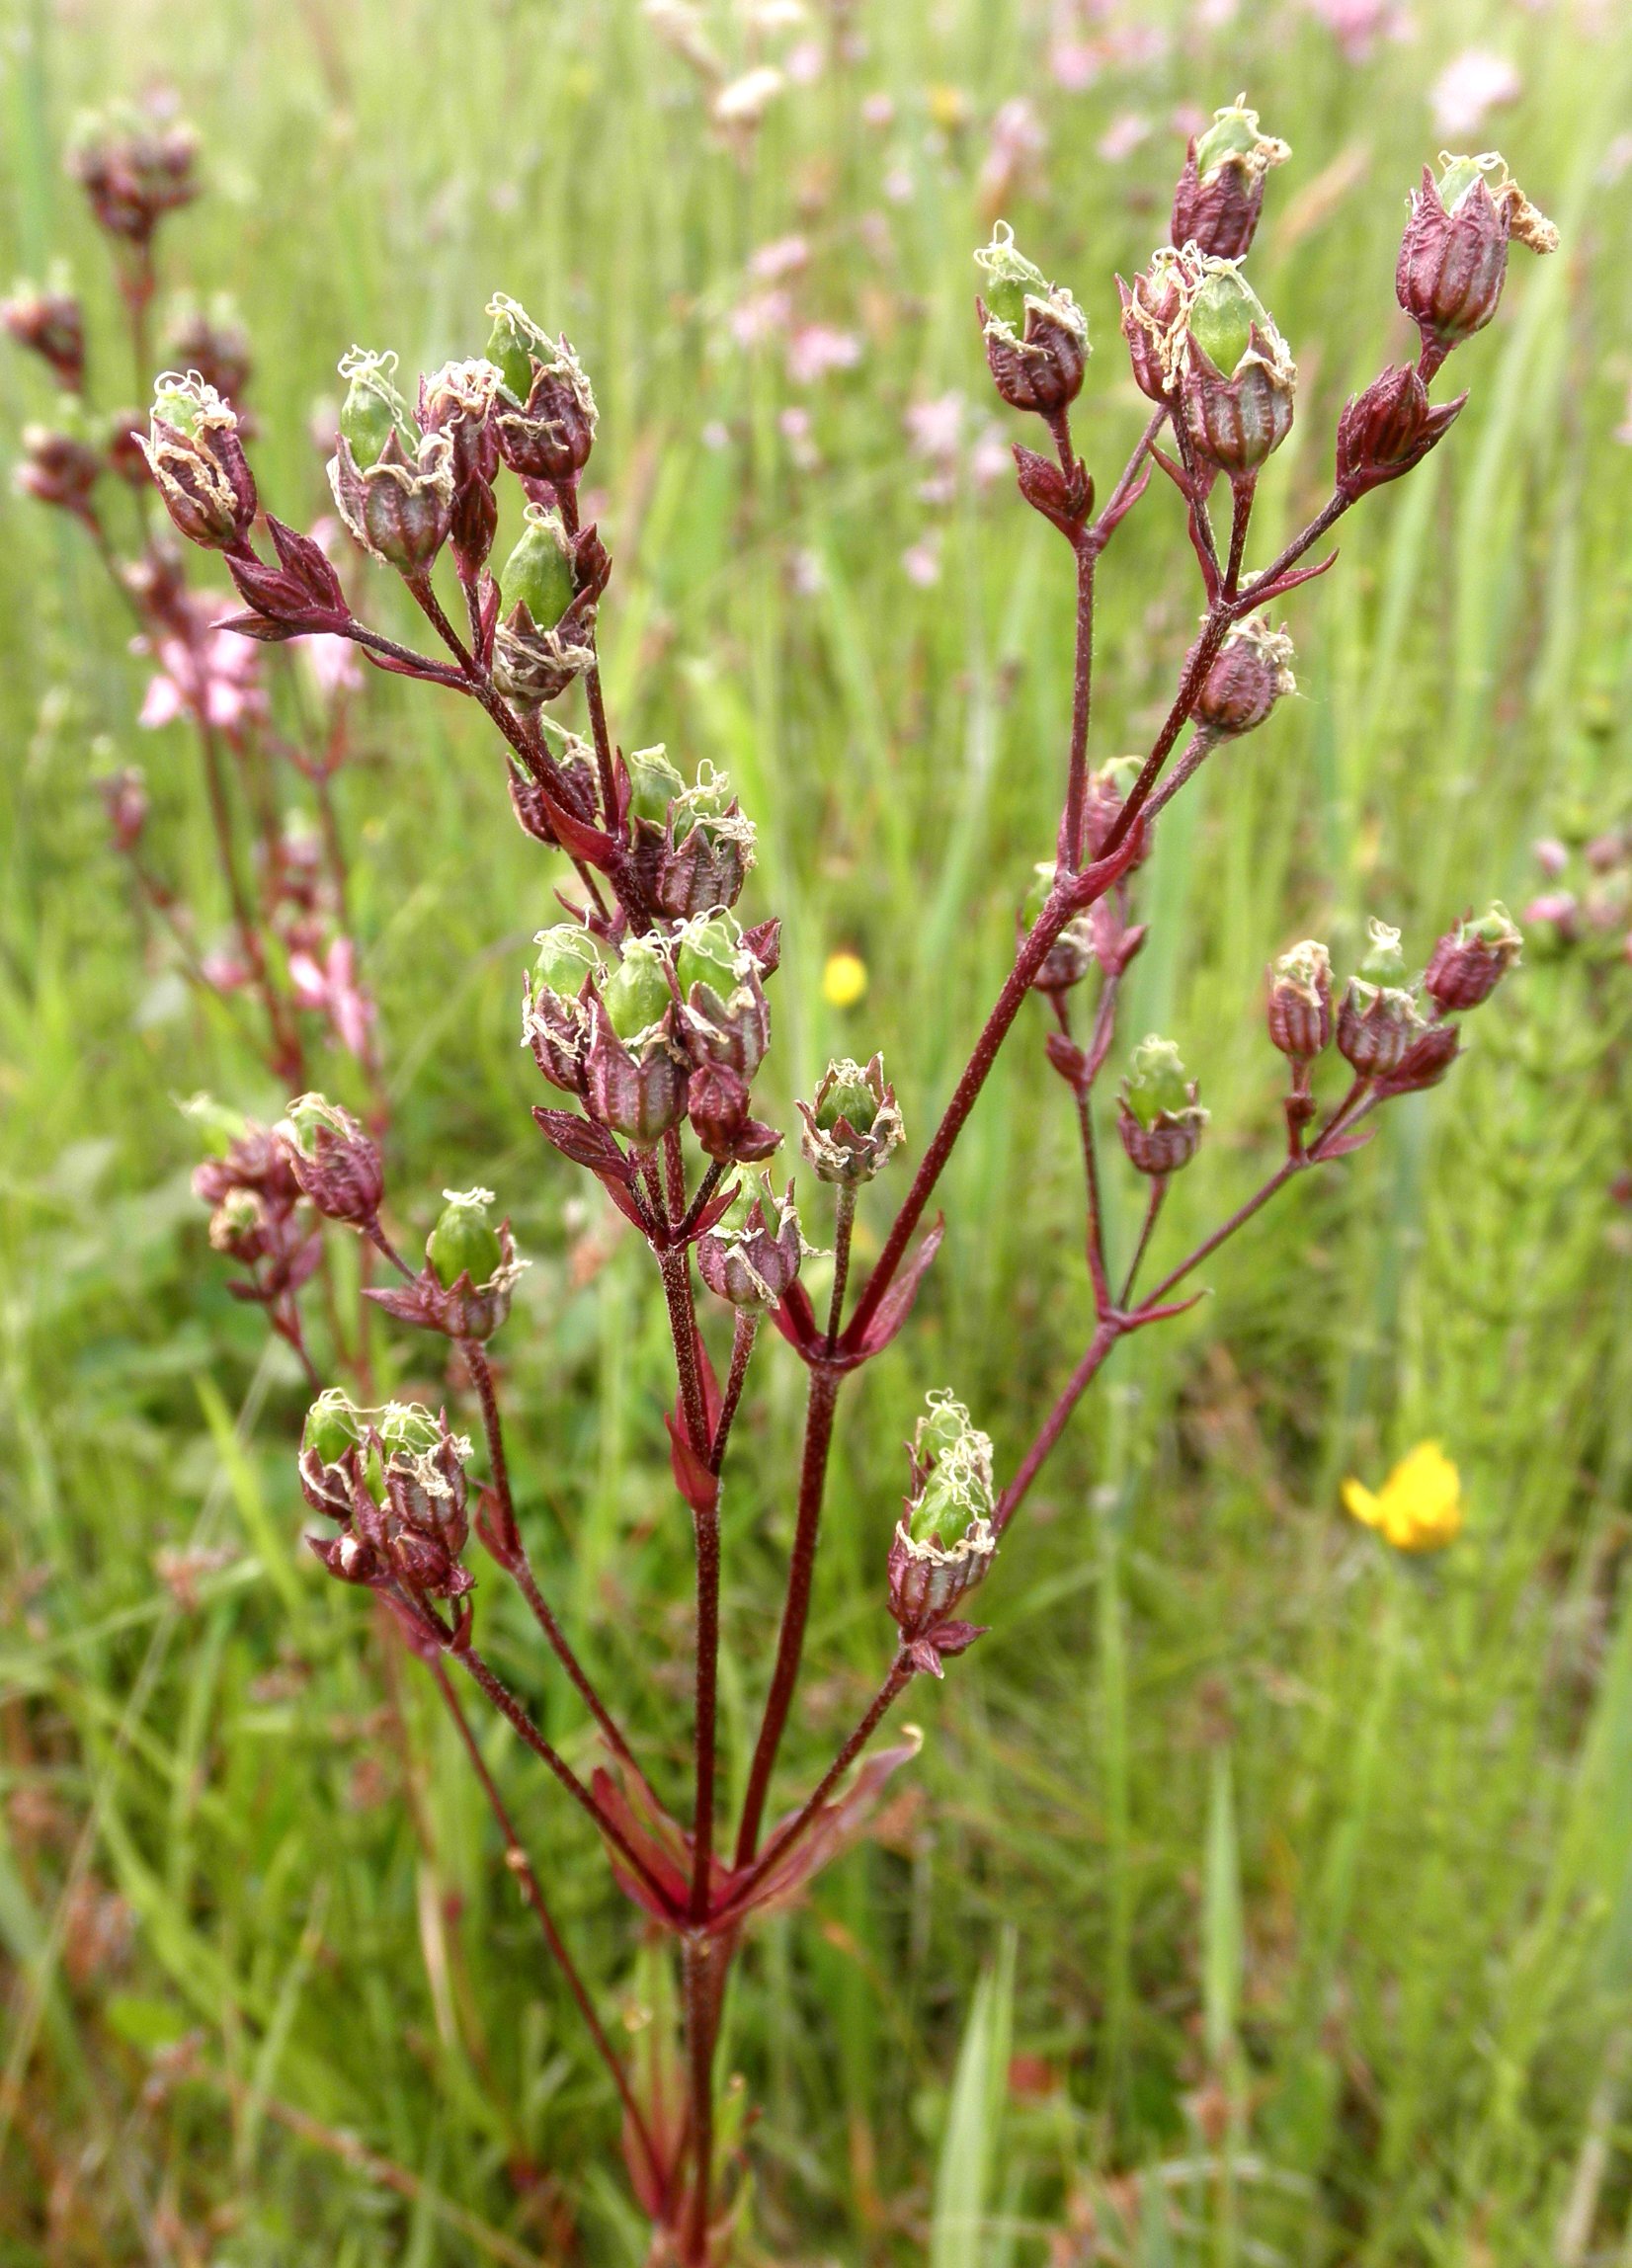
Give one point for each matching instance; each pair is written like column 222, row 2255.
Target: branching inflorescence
column 647, row 1010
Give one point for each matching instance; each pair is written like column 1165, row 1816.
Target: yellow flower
column 844, row 979
column 1418, row 1508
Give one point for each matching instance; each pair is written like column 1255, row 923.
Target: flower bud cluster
column 134, row 166
column 392, row 1480
column 751, row 1255
column 197, row 463
column 657, row 1027
column 1159, row 1117
column 1453, row 258
column 470, row 1270
column 1037, row 336
column 945, row 1541
column 256, row 1216
column 1380, row 1024
column 1253, row 671
column 1220, row 193
column 853, row 1126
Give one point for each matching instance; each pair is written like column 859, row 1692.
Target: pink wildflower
column 333, row 989
column 1124, row 135
column 214, row 676
column 1015, row 155
column 921, row 561
column 815, row 349
column 782, row 256
column 1468, row 89
column 333, row 663
column 1358, row 25
column 760, row 317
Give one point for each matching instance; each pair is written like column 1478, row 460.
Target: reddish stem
column 1105, row 1336
column 520, row 1567
column 1082, row 694
column 508, row 1705
column 823, row 1397
column 782, row 1842
column 745, row 1333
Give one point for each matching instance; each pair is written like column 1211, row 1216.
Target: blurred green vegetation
column 1255, row 1898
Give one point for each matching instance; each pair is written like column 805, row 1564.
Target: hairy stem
column 744, row 1333
column 823, row 1398
column 520, row 1567
column 701, row 2004
column 844, row 1223
column 783, row 1840
column 1081, row 695
column 508, row 1705
column 704, row 1735
column 1053, row 1426
column 674, row 1267
column 1158, row 1192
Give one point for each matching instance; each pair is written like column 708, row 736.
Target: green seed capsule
column 372, row 409
column 1222, row 316
column 852, row 1100
column 333, row 1426
column 636, row 995
column 1156, row 1082
column 515, row 340
column 710, row 954
column 539, row 574
column 567, row 954
column 1010, row 279
column 654, row 784
column 464, row 1241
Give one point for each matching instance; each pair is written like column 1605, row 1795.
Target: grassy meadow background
column 1256, row 1898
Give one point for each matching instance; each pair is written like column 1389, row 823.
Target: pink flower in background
column 804, row 63
column 990, row 460
column 224, row 971
column 921, row 561
column 760, row 317
column 333, row 663
column 1075, row 65
column 815, row 349
column 1124, row 135
column 794, row 426
column 1015, row 155
column 333, row 987
column 1358, row 25
column 897, row 184
column 1558, row 909
column 935, row 427
column 782, row 256
column 1623, row 432
column 878, row 111
column 215, row 676
column 1469, row 88
column 1550, row 855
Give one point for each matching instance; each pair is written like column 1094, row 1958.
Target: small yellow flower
column 1418, row 1508
column 843, row 979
